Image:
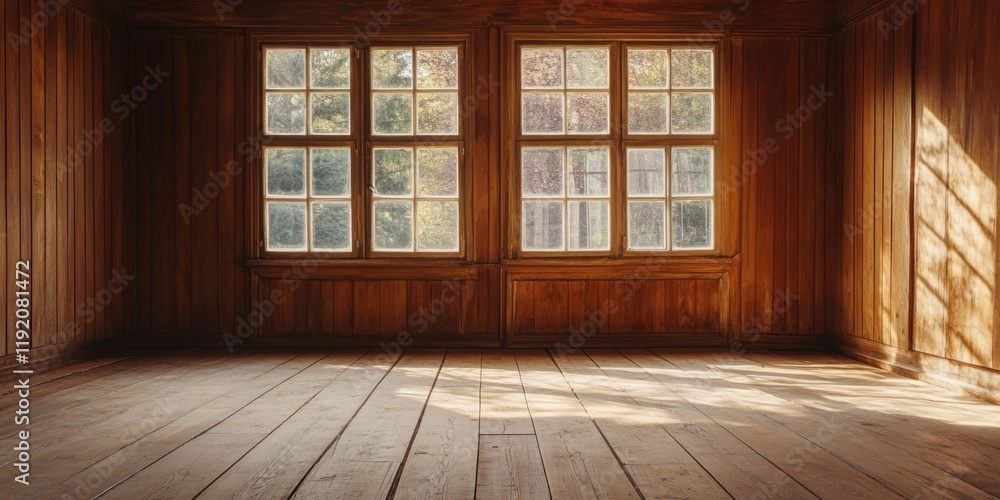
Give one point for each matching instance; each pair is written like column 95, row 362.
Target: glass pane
column 646, row 225
column 691, row 69
column 587, row 68
column 646, row 172
column 692, row 171
column 542, row 68
column 331, row 113
column 541, row 172
column 647, row 69
column 393, row 171
column 392, row 69
column 437, row 113
column 692, row 224
column 286, row 68
column 286, row 113
column 588, row 172
column 331, row 68
column 437, row 172
column 393, row 113
column 542, row 113
column 588, row 225
column 393, row 225
column 331, row 226
column 437, row 69
column 587, row 112
column 437, row 226
column 286, row 172
column 542, row 227
column 691, row 113
column 647, row 113
column 286, row 226
column 331, row 172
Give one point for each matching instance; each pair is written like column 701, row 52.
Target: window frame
column 618, row 139
column 361, row 141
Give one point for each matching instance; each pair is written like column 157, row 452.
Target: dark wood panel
column 61, row 158
column 376, row 16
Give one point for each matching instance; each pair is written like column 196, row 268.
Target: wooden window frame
column 361, row 142
column 618, row 140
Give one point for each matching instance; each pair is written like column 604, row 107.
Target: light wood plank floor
column 463, row 424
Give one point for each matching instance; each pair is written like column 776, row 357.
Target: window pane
column 286, row 172
column 392, row 69
column 393, row 113
column 588, row 172
column 331, row 113
column 437, row 113
column 286, row 113
column 692, row 224
column 331, row 172
column 647, row 69
column 332, row 226
column 692, row 171
column 541, row 172
column 393, row 172
column 588, row 225
column 437, row 69
column 647, row 113
column 437, row 226
column 286, row 226
column 542, row 225
column 286, row 68
column 331, row 68
column 393, row 225
column 691, row 69
column 542, row 113
column 587, row 68
column 691, row 113
column 646, row 172
column 541, row 68
column 646, row 225
column 437, row 172
column 587, row 113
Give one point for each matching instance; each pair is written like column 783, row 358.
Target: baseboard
column 982, row 383
column 43, row 359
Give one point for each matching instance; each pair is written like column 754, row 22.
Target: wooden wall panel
column 62, row 159
column 782, row 103
column 809, row 16
column 929, row 69
column 188, row 137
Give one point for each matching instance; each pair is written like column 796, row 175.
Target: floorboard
column 501, row 424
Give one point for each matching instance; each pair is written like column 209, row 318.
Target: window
column 602, row 178
column 314, row 200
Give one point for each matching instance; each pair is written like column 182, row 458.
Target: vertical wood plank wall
column 921, row 116
column 192, row 286
column 63, row 183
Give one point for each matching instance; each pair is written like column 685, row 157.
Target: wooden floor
column 359, row 425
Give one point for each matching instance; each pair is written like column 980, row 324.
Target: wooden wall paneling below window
column 62, row 198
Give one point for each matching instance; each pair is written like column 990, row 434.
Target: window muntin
column 309, row 164
column 415, row 199
column 308, row 199
column 666, row 144
column 323, row 106
column 414, row 91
